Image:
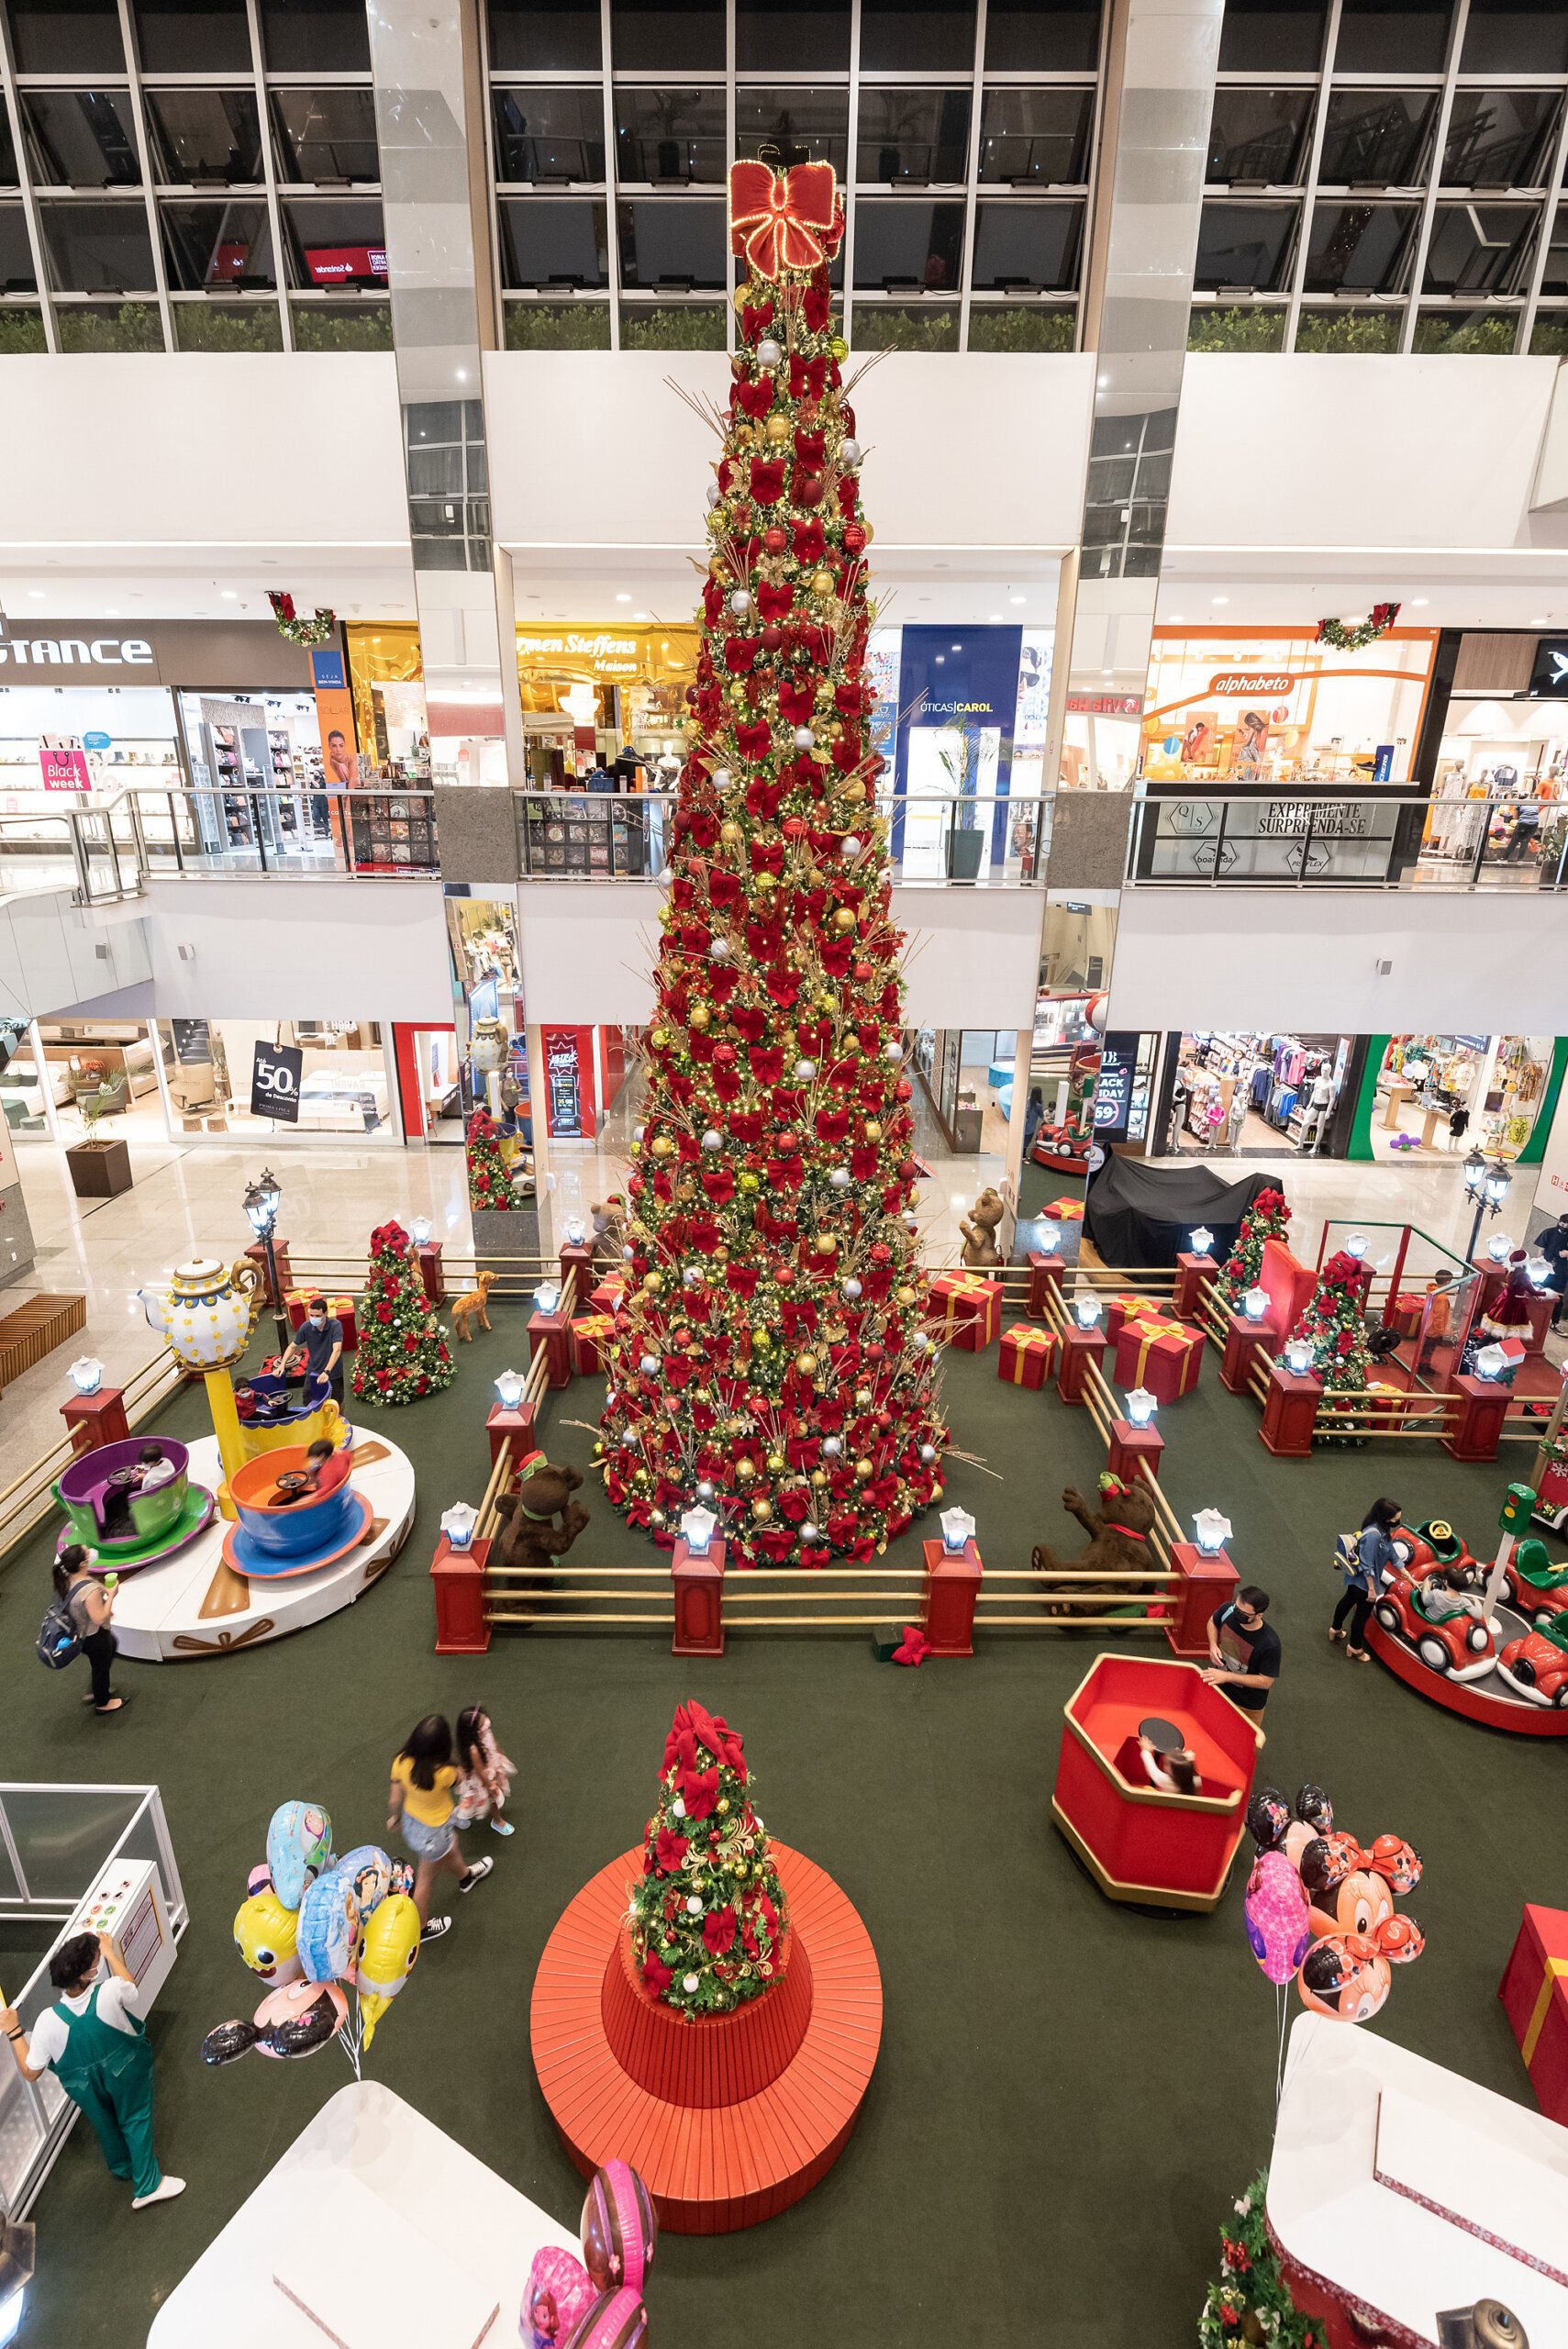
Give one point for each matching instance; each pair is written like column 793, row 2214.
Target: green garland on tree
column 1250, row 2302
column 709, row 1914
column 1335, row 1321
column 1350, row 636
column 1265, row 1219
column 402, row 1354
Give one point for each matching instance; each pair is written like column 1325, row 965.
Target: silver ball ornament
column 808, row 1531
column 927, row 1452
column 720, row 951
column 849, row 453
column 649, row 1366
column 840, row 1178
column 713, row 1138
column 769, row 353
column 851, row 1289
column 740, row 602
column 831, row 1446
column 806, row 1071
column 805, row 739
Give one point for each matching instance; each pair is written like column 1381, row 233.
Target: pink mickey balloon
column 1278, row 1925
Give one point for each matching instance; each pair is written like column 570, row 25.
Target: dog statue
column 467, row 1309
column 530, row 1537
column 1118, row 1542
column 979, row 1230
column 609, row 1217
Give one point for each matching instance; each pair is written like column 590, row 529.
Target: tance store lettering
column 105, row 651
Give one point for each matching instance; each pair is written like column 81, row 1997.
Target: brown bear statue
column 1119, row 1534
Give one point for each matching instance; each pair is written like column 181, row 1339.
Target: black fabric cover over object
column 1138, row 1214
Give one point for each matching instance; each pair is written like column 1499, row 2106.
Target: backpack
column 1348, row 1554
column 60, row 1642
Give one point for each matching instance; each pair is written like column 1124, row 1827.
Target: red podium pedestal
column 257, row 1254
column 1130, row 1445
column 698, row 1579
column 1079, row 1349
column 1290, row 1412
column 1541, row 1309
column 1244, row 1341
column 431, row 1272
column 1493, row 1280
column 95, row 1419
column 952, row 1586
column 578, row 1257
column 459, row 1579
column 554, row 1332
column 1045, row 1279
column 1191, row 1274
column 1482, row 1403
column 1204, row 1585
column 519, row 1426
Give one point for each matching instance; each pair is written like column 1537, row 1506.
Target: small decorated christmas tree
column 709, row 1914
column 1251, row 2301
column 489, row 1176
column 1336, row 1324
column 402, row 1352
column 1265, row 1219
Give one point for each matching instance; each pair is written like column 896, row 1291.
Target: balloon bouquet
column 1321, row 1908
column 596, row 2304
column 314, row 1928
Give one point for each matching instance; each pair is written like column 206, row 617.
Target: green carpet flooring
column 1068, row 2093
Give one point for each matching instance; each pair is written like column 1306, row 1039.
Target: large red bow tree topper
column 792, row 222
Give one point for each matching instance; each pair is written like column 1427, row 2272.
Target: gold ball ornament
column 656, row 1518
column 666, row 915
column 777, row 429
column 905, row 1296
column 701, row 1015
column 745, row 1472
column 659, row 1038
column 731, row 835
column 822, row 583
column 662, row 1146
column 854, row 793
column 652, row 1280
column 763, row 1340
column 826, row 1244
column 742, row 295
column 806, row 1365
column 843, row 919
column 761, row 1509
column 775, row 1464
column 639, row 1476
column 873, row 1131
column 863, row 1469
column 819, row 1478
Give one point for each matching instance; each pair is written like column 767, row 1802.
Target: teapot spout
column 155, row 1306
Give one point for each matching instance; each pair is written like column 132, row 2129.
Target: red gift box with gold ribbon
column 966, row 1310
column 609, row 1293
column 296, row 1302
column 1534, row 1991
column 1120, row 1310
column 1164, row 1356
column 1027, row 1355
column 590, row 1333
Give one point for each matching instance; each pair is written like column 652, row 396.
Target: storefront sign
column 1113, row 1086
column 1548, row 678
column 338, row 264
column 1105, row 704
column 64, row 770
column 76, row 652
column 1234, row 685
column 229, row 656
column 275, row 1077
column 564, row 1080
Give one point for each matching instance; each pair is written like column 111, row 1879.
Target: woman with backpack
column 80, row 1613
column 1363, row 1569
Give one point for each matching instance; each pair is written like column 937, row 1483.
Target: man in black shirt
column 317, row 1351
column 1244, row 1652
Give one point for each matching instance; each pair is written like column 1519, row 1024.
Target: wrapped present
column 609, row 1293
column 1385, row 1404
column 591, row 1335
column 966, row 1310
column 1028, row 1355
column 1534, row 1991
column 1403, row 1313
column 296, row 1302
column 1064, row 1210
column 1164, row 1356
column 1130, row 1306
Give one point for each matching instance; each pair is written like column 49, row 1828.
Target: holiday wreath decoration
column 298, row 630
column 1348, row 635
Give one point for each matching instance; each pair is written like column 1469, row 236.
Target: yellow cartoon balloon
column 265, row 1930
column 389, row 1946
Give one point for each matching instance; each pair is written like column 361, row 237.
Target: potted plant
column 965, row 840
column 99, row 1169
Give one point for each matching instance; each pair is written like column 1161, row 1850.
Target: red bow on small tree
column 793, row 222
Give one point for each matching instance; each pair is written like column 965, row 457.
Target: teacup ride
column 283, row 1528
column 106, row 1510
column 276, row 1413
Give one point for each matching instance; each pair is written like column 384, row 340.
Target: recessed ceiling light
column 1017, row 599
column 230, row 594
column 1174, row 618
column 1419, row 603
column 38, row 592
column 640, row 615
column 941, row 659
column 1219, row 599
column 958, row 648
column 994, row 621
column 623, row 599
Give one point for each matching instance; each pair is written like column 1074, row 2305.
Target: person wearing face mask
column 317, row 1351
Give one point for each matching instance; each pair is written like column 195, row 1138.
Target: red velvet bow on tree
column 793, row 222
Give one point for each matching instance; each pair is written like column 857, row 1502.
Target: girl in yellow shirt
column 423, row 1776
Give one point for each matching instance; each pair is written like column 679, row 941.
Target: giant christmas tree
column 769, row 1359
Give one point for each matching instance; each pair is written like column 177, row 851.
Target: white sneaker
column 164, row 2191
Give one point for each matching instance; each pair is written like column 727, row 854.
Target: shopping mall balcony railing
column 101, row 854
column 1383, row 843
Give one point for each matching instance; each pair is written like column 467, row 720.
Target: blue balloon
column 369, row 1871
column 328, row 1927
column 299, row 1847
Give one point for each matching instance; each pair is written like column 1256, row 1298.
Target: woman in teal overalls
column 102, row 2059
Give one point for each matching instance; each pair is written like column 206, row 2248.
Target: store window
column 1377, row 138
column 218, row 244
column 193, row 35
column 920, row 36
column 1393, row 37
column 1240, row 1094
column 1500, row 138
column 901, row 243
column 82, row 138
column 325, row 136
column 492, row 1048
column 1034, row 246
column 549, row 241
column 315, row 36
column 95, row 248
column 672, row 241
column 257, row 775
column 335, row 240
column 1272, row 35
column 811, row 39
column 1023, row 38
column 794, row 126
column 914, row 136
column 1247, row 711
column 1259, row 135
column 667, row 36
column 1501, row 1083
column 529, row 35
column 206, row 135
column 1246, row 246
column 550, row 134
column 346, row 1089
column 1036, row 138
column 669, row 135
column 72, row 37
column 108, row 1063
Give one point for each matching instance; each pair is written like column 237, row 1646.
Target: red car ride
column 1535, row 1588
column 1536, row 1667
column 1458, row 1644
